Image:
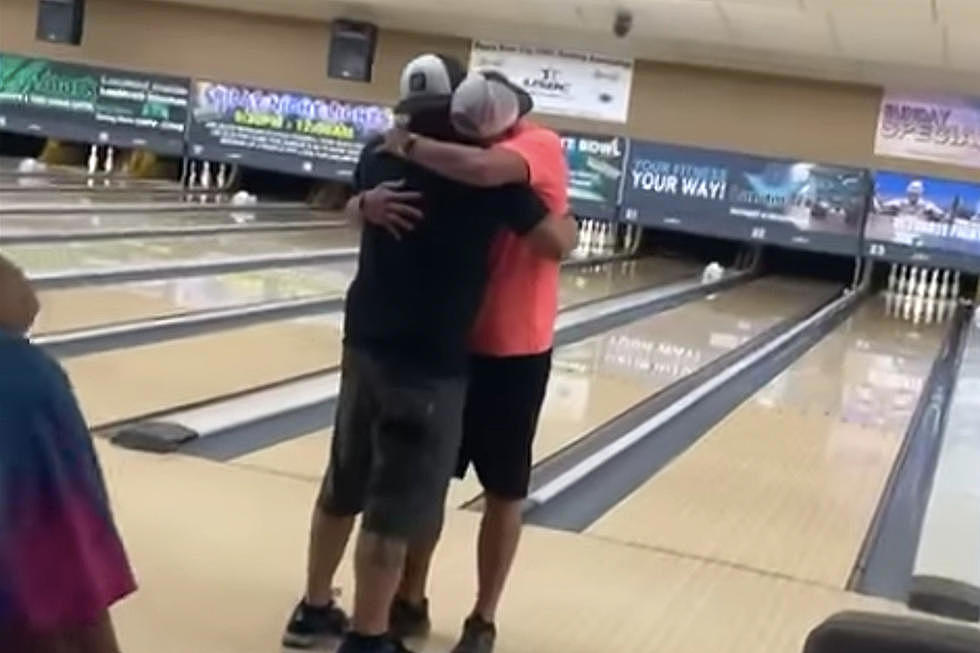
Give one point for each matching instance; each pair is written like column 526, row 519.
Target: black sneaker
column 311, row 626
column 408, row 620
column 355, row 644
column 478, row 637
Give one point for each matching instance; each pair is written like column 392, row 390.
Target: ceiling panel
column 785, row 30
column 900, row 38
column 698, row 20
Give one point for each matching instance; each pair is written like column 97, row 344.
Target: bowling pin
column 192, row 180
column 956, row 287
column 893, row 278
column 93, row 159
column 902, row 279
column 110, row 155
column 222, row 178
column 909, row 297
column 206, row 175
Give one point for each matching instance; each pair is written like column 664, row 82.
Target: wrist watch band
column 410, row 144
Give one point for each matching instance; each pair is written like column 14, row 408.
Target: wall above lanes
column 767, row 115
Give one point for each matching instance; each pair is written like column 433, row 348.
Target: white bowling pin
column 93, row 159
column 889, row 302
column 110, row 156
column 944, row 286
column 956, row 287
column 586, row 238
column 206, row 175
column 893, row 278
column 192, row 180
column 934, row 284
column 902, row 279
column 222, row 178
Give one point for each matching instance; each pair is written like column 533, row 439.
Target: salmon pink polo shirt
column 521, row 303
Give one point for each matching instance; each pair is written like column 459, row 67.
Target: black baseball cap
column 428, row 83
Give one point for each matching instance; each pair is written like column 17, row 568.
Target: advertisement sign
column 90, row 104
column 790, row 203
column 595, row 173
column 562, row 82
column 281, row 130
column 923, row 219
column 945, row 129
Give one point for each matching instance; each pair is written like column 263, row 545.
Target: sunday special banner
column 797, row 204
column 944, row 129
column 595, row 173
column 282, row 130
column 562, row 82
column 92, row 104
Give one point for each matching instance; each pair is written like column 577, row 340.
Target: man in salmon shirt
column 511, row 341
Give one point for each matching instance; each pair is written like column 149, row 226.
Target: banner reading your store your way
column 945, row 129
column 562, row 82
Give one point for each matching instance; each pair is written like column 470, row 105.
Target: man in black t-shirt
column 403, row 376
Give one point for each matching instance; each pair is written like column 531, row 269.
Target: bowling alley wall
column 717, row 109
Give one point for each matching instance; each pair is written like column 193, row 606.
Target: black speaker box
column 352, row 46
column 60, row 21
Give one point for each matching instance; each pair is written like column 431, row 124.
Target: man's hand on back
column 389, row 207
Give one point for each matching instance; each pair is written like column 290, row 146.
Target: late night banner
column 89, row 104
column 924, row 220
column 595, row 169
column 281, row 130
column 791, row 203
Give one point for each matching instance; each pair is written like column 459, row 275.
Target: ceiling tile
column 882, row 12
column 695, row 20
column 785, row 30
column 964, row 48
column 864, row 36
column 953, row 11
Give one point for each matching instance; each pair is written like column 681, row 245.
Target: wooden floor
column 219, row 552
column 788, row 483
column 599, row 378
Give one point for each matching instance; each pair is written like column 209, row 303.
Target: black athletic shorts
column 502, row 408
column 396, row 439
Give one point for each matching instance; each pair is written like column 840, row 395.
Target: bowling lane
column 26, row 224
column 130, row 383
column 788, row 482
column 80, row 308
column 583, row 284
column 597, row 379
column 38, row 195
column 50, row 257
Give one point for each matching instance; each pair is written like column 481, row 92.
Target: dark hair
column 435, row 123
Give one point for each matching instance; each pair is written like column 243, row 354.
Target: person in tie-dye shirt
column 62, row 563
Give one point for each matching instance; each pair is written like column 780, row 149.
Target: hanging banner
column 918, row 219
column 91, row 104
column 562, row 82
column 795, row 204
column 944, row 129
column 595, row 173
column 281, row 130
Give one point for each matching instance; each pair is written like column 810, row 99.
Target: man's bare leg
column 418, row 561
column 378, row 564
column 329, row 535
column 500, row 533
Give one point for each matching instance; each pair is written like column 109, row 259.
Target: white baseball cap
column 428, row 82
column 486, row 104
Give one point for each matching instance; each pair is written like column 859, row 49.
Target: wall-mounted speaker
column 60, row 21
column 352, row 46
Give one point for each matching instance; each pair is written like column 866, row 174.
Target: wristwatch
column 410, row 142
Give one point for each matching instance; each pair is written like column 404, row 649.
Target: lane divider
column 84, row 235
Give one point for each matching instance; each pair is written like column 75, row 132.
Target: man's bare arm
column 386, row 206
column 554, row 238
column 476, row 166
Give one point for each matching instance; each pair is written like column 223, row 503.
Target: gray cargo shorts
column 396, row 440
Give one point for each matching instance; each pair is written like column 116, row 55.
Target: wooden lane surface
column 788, row 482
column 129, row 383
column 79, row 308
column 601, row 377
column 200, row 532
column 54, row 257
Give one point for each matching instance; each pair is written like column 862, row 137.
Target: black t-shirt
column 414, row 300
